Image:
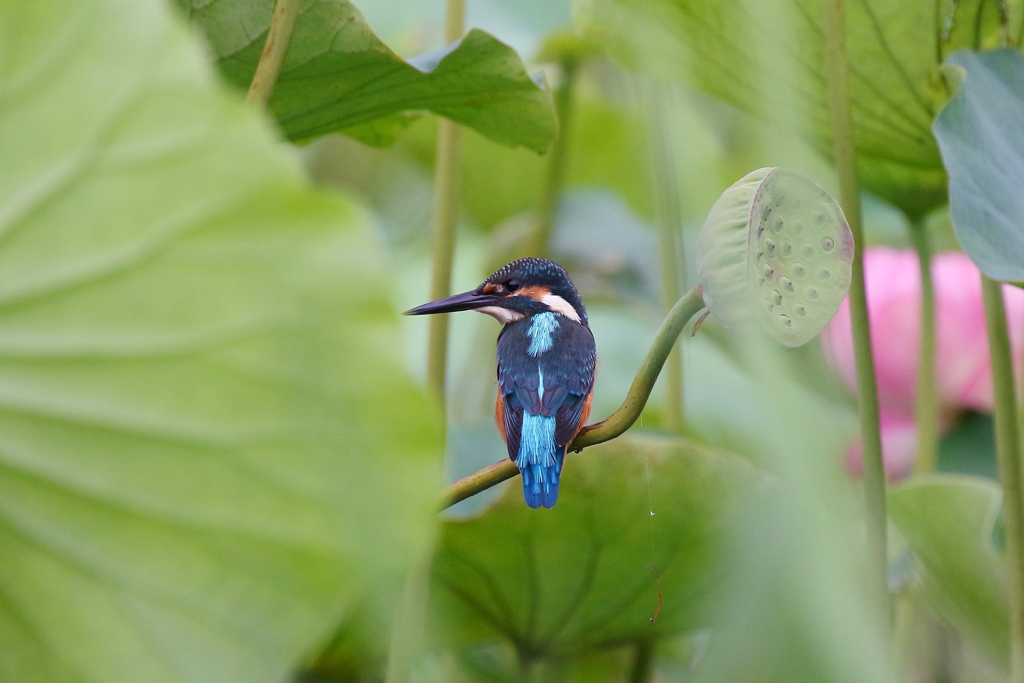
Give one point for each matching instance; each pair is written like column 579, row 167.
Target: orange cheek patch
column 536, row 292
column 491, row 289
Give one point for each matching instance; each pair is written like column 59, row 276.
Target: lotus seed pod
column 776, row 248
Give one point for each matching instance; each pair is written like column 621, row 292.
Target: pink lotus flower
column 964, row 372
column 899, row 446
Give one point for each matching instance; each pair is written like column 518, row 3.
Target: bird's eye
column 512, row 285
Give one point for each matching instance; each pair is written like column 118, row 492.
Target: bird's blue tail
column 539, row 460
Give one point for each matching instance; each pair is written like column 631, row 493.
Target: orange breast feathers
column 499, row 415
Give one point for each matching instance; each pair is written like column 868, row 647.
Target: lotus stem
column 446, row 203
column 849, row 198
column 642, row 668
column 927, row 401
column 551, row 195
column 1008, row 457
column 279, row 35
column 668, row 217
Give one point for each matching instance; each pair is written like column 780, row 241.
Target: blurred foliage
column 742, row 50
column 499, row 183
column 795, row 608
column 338, row 76
column 190, row 395
column 948, row 522
column 981, row 123
column 969, row 447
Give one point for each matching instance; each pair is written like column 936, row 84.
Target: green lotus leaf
column 948, row 522
column 979, row 133
column 339, row 77
column 633, row 515
column 749, row 51
column 200, row 469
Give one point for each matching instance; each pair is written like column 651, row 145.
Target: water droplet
column 786, row 249
column 760, row 254
column 823, row 273
column 827, row 243
column 769, row 247
column 785, row 320
column 807, row 251
column 812, row 293
column 800, row 310
column 777, row 297
column 765, row 212
column 760, row 230
column 768, row 271
column 798, row 270
column 778, row 224
column 787, row 284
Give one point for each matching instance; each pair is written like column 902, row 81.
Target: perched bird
column 546, row 360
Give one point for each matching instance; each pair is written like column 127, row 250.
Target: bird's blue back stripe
column 542, row 333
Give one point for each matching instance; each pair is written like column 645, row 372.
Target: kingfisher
column 546, row 362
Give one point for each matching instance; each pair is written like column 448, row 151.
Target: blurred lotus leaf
column 586, row 573
column 498, row 183
column 339, row 77
column 979, row 133
column 948, row 522
column 775, row 247
column 199, row 469
column 749, row 51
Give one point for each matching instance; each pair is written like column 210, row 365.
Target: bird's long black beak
column 467, row 301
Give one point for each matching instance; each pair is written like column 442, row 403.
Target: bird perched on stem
column 546, row 361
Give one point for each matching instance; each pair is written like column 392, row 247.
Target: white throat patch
column 560, row 305
column 503, row 315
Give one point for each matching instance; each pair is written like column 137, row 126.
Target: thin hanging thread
column 650, row 500
column 657, row 579
column 650, row 536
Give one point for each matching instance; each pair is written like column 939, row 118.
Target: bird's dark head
column 516, row 291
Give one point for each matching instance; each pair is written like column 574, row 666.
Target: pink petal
column 899, row 446
column 964, row 373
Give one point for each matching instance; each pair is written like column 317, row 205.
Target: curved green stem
column 551, row 195
column 446, row 206
column 274, row 50
column 606, row 430
column 927, row 400
column 668, row 217
column 874, row 472
column 1008, row 456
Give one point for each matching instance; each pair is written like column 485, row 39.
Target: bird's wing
column 518, row 382
column 574, row 377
